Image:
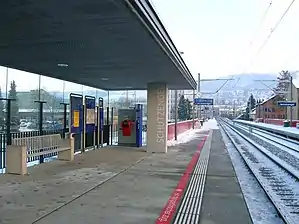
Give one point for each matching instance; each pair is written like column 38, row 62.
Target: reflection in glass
column 52, row 94
column 3, row 94
column 24, row 115
column 27, row 88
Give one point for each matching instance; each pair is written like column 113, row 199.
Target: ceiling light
column 104, row 79
column 62, row 65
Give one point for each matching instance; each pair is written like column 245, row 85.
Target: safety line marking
column 170, row 208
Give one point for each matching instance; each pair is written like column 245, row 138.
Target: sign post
column 286, row 103
column 76, row 119
column 90, row 106
column 139, row 130
column 101, row 121
column 204, row 101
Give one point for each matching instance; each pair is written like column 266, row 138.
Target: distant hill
column 240, row 82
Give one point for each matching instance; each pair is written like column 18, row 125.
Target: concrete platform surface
column 223, row 201
column 110, row 185
column 118, row 185
column 50, row 185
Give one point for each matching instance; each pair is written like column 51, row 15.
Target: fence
column 22, row 149
column 3, row 140
column 181, row 127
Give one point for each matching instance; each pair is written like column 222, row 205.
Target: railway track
column 278, row 139
column 280, row 181
column 286, row 157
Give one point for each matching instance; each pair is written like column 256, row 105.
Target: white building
column 188, row 94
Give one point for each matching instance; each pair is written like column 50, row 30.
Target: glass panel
column 89, row 91
column 52, row 93
column 22, row 86
column 3, row 94
column 70, row 87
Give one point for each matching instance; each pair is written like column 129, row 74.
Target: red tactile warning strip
column 170, row 208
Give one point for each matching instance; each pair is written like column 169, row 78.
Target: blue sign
column 286, row 103
column 204, row 101
column 90, row 106
column 101, row 113
column 139, row 130
column 76, row 115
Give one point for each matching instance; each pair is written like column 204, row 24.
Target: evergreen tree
column 251, row 104
column 189, row 109
column 283, row 84
column 2, row 114
column 182, row 110
column 15, row 120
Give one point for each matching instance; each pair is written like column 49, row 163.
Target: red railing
column 277, row 121
column 181, row 127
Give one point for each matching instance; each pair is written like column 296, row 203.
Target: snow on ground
column 211, row 124
column 271, row 126
column 188, row 135
column 261, row 209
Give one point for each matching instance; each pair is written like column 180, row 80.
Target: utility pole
column 127, row 98
column 234, row 109
column 291, row 109
column 176, row 115
column 250, row 106
column 193, row 110
column 6, row 86
column 216, row 92
column 198, row 91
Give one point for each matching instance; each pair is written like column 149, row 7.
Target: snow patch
column 191, row 134
column 210, row 124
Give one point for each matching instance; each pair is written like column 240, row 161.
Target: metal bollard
column 250, row 129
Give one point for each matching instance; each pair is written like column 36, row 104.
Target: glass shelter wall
column 31, row 90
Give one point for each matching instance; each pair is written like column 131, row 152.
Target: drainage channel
column 189, row 210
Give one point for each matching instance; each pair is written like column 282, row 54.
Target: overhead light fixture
column 62, row 65
column 128, row 87
column 104, row 79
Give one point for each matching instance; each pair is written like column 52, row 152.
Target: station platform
column 223, row 201
column 125, row 185
column 291, row 132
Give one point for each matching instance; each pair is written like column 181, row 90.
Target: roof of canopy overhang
column 106, row 44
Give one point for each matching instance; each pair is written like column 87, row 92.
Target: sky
column 221, row 37
column 218, row 38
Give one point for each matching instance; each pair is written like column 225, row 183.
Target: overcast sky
column 218, row 38
column 215, row 35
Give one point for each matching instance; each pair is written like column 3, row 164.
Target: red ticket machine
column 126, row 127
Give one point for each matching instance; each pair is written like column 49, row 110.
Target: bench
column 23, row 149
